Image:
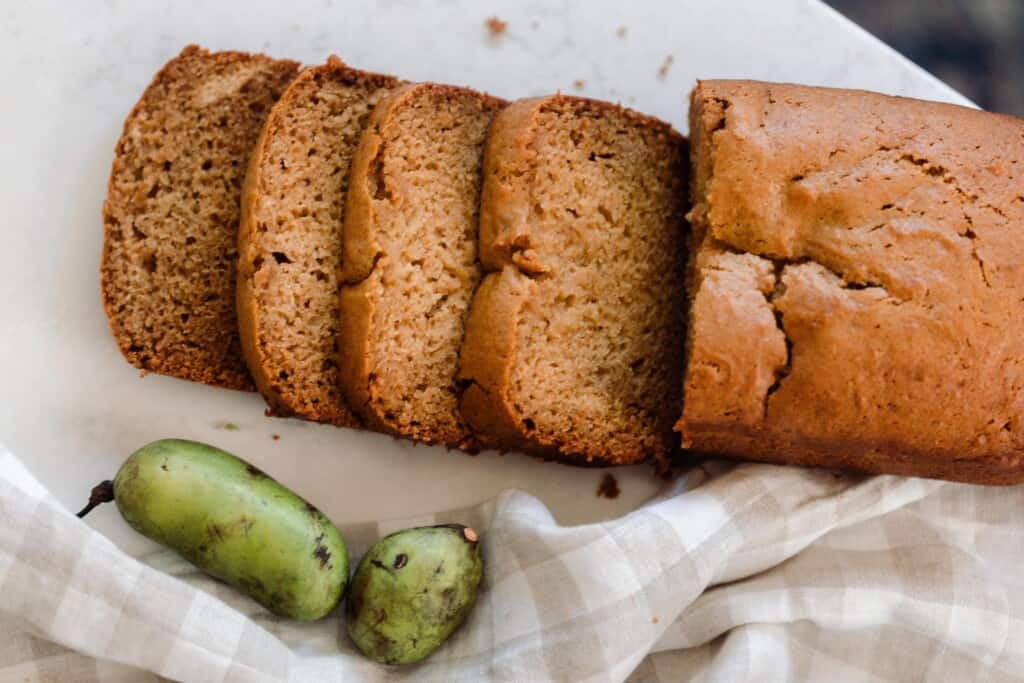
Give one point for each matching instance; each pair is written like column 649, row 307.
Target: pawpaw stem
column 103, row 492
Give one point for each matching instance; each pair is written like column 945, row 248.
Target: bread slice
column 857, row 286
column 410, row 259
column 171, row 214
column 290, row 239
column 575, row 334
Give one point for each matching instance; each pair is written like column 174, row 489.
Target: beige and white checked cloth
column 737, row 573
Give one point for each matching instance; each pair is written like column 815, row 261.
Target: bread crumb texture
column 410, row 252
column 290, row 239
column 858, row 282
column 172, row 209
column 575, row 335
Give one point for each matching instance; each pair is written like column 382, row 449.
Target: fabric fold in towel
column 736, row 572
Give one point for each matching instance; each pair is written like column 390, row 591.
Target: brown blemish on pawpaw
column 251, row 585
column 323, row 554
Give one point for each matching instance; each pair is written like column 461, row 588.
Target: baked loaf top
column 574, row 336
column 171, row 214
column 858, row 288
column 410, row 259
column 290, row 239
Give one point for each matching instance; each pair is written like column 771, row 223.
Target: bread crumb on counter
column 275, row 437
column 578, row 84
column 621, row 32
column 609, row 487
column 496, row 26
column 665, row 66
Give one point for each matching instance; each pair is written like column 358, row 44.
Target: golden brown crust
column 185, row 328
column 510, row 249
column 887, row 230
column 487, row 355
column 290, row 372
column 488, row 350
column 504, row 206
column 245, row 298
column 355, row 306
column 384, row 218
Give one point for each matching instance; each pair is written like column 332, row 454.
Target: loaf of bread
column 574, row 335
column 290, row 239
column 410, row 259
column 171, row 214
column 857, row 284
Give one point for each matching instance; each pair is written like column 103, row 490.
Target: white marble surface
column 72, row 409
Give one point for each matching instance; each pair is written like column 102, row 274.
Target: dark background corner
column 976, row 46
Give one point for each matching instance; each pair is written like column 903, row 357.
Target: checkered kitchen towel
column 738, row 573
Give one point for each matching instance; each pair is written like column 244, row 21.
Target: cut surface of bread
column 171, row 214
column 290, row 239
column 574, row 340
column 858, row 283
column 410, row 259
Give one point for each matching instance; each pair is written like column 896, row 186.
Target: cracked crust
column 289, row 239
column 410, row 259
column 862, row 252
column 573, row 335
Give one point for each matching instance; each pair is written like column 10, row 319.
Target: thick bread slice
column 858, row 283
column 410, row 259
column 575, row 335
column 290, row 239
column 171, row 214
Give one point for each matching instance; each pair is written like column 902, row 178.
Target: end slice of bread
column 290, row 239
column 856, row 284
column 574, row 342
column 410, row 259
column 171, row 214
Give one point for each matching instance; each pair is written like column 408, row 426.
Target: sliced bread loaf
column 410, row 258
column 575, row 335
column 290, row 239
column 171, row 214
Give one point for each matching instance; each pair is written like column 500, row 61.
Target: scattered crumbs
column 275, row 437
column 229, row 426
column 609, row 487
column 654, row 620
column 665, row 66
column 496, row 26
column 621, row 32
column 578, row 84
